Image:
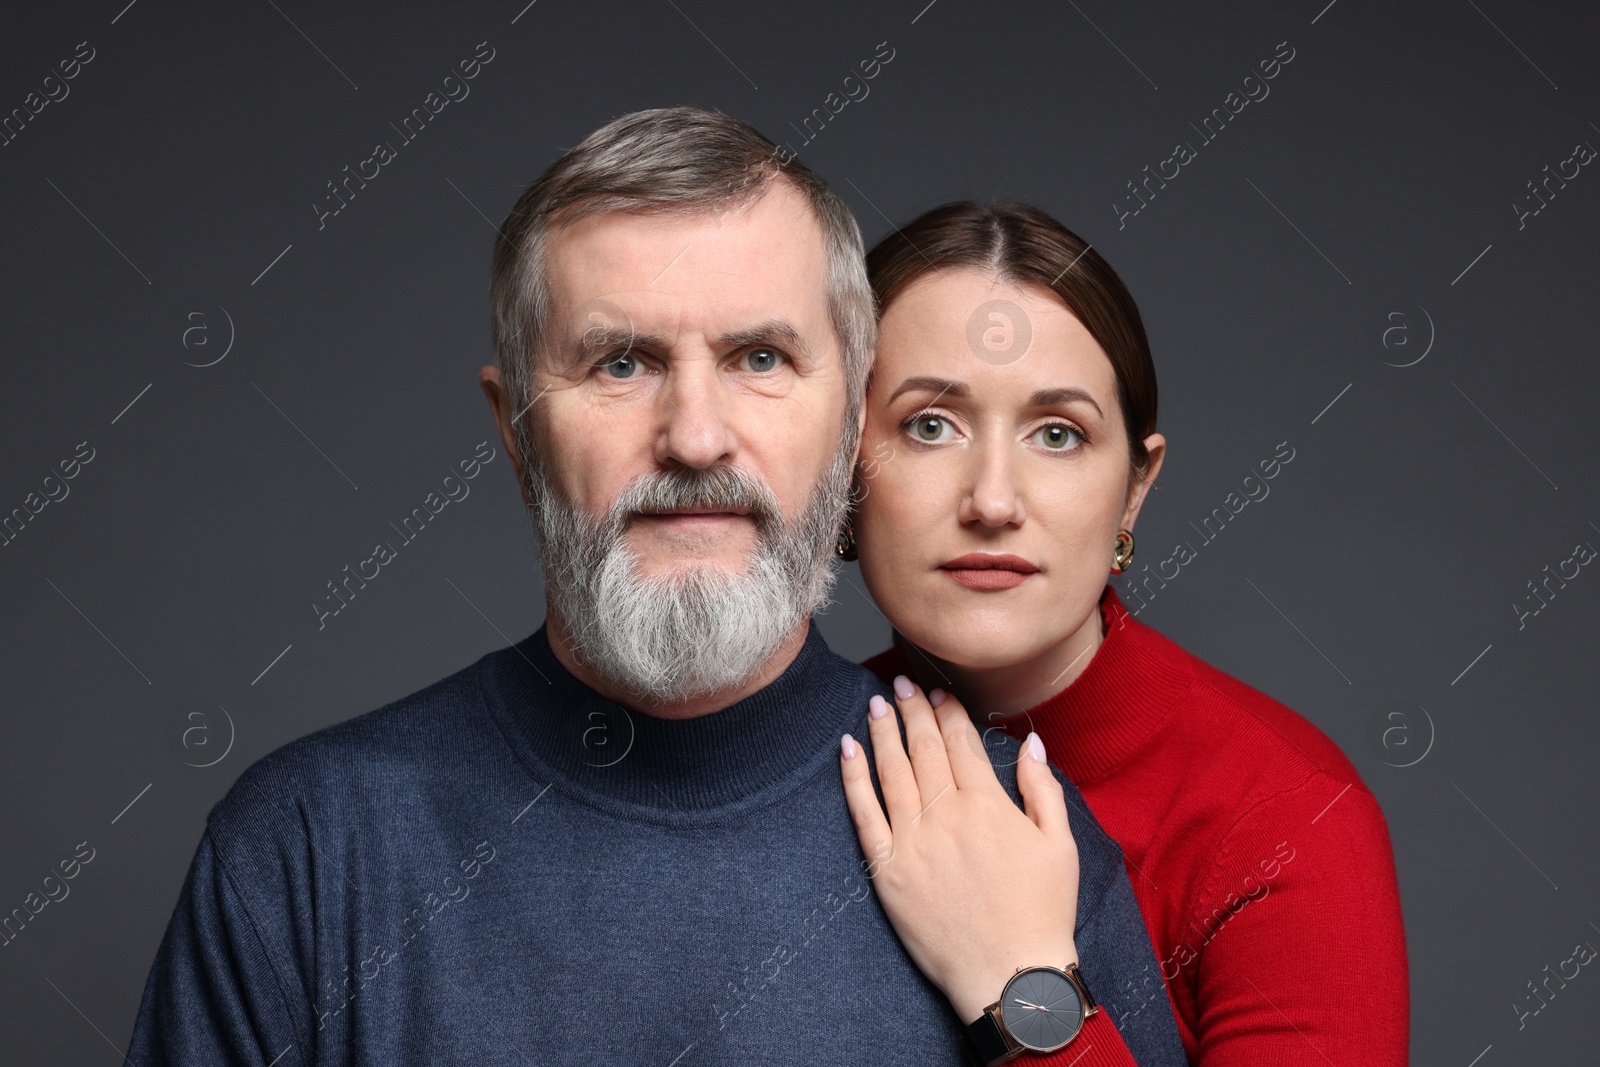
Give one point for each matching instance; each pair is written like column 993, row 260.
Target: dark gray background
column 1383, row 566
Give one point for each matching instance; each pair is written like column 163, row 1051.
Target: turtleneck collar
column 673, row 771
column 1118, row 704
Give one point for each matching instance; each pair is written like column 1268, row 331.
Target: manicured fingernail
column 936, row 696
column 877, row 707
column 848, row 745
column 1035, row 746
column 903, row 687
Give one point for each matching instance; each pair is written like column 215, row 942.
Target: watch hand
column 1026, row 1004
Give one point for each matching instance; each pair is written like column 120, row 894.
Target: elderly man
column 623, row 839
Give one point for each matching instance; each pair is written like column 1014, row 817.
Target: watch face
column 1042, row 1009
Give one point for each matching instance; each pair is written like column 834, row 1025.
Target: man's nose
column 993, row 498
column 695, row 428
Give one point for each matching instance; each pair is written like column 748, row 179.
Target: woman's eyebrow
column 1046, row 397
column 942, row 386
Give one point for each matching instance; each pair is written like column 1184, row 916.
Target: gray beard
column 697, row 629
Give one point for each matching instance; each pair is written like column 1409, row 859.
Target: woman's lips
column 987, row 572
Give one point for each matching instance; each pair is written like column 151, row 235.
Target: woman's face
column 995, row 476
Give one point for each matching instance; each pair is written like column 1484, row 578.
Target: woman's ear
column 1156, row 448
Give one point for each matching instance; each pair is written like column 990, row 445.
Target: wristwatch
column 1041, row 1009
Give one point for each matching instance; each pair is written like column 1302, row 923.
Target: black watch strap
column 984, row 1042
column 1089, row 1005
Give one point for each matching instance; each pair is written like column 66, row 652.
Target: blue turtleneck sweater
column 507, row 868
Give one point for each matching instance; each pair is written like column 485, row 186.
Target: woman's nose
column 994, row 498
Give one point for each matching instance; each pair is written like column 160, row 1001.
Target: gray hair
column 679, row 159
column 696, row 630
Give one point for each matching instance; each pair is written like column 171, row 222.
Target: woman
column 1009, row 445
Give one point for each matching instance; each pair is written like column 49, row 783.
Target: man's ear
column 500, row 411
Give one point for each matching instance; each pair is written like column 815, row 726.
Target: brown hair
column 1022, row 245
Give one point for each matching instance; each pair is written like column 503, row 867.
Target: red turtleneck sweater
column 1260, row 860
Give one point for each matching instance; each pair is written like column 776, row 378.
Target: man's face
column 690, row 465
column 689, row 341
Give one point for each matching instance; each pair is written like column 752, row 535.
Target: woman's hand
column 974, row 887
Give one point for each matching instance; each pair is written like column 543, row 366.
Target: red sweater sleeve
column 1303, row 958
column 1098, row 1044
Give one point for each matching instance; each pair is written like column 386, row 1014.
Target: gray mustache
column 693, row 487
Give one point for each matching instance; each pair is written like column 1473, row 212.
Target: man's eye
column 931, row 428
column 621, row 365
column 762, row 360
column 1057, row 437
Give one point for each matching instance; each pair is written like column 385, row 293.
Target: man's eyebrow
column 1047, row 397
column 597, row 339
column 779, row 333
column 942, row 386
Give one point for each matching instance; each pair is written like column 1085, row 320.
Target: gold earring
column 1122, row 557
column 845, row 547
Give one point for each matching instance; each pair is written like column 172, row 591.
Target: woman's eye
column 1057, row 437
column 762, row 360
column 931, row 428
column 622, row 365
